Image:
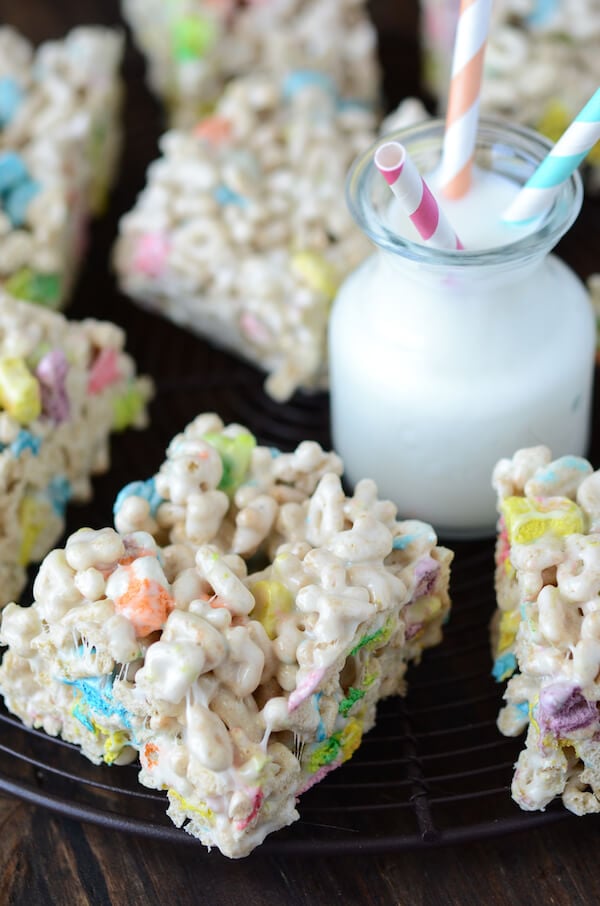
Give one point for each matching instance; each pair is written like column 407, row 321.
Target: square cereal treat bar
column 194, row 47
column 243, row 656
column 59, row 141
column 63, row 387
column 242, row 233
column 546, row 632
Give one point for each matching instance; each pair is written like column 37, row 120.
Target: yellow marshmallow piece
column 273, row 600
column 19, row 390
column 316, row 272
column 527, row 520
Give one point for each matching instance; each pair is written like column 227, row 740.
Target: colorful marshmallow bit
column 17, row 189
column 17, row 200
column 25, row 441
column 19, row 391
column 11, row 98
column 300, row 80
column 59, row 493
column 318, row 273
column 144, row 489
column 151, row 254
column 52, row 372
column 12, row 171
column 236, row 453
column 273, row 603
column 45, row 289
column 33, row 519
column 128, row 407
column 192, row 37
column 529, row 520
column 104, row 370
column 140, row 594
column 216, row 130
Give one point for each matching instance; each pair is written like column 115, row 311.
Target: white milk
column 438, row 371
column 476, row 218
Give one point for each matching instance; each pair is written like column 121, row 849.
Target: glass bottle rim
column 493, row 133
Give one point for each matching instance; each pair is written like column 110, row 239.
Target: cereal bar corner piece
column 194, row 47
column 546, row 631
column 64, row 386
column 242, row 234
column 239, row 673
column 59, row 143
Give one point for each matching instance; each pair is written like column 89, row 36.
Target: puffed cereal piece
column 62, row 389
column 238, row 690
column 194, row 47
column 546, row 632
column 242, row 234
column 59, row 143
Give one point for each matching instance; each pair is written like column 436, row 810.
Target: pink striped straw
column 463, row 99
column 399, row 171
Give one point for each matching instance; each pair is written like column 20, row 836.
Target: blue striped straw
column 573, row 146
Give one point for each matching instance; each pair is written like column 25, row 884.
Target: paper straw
column 463, row 98
column 398, row 169
column 540, row 190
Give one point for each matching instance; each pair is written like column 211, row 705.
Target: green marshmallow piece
column 192, row 37
column 235, row 453
column 43, row 289
column 126, row 408
column 19, row 284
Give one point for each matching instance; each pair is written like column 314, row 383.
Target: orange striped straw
column 463, row 100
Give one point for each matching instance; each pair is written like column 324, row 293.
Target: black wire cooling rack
column 435, row 769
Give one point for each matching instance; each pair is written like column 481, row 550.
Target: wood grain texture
column 46, row 860
column 49, row 860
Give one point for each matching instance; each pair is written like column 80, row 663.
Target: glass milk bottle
column 442, row 362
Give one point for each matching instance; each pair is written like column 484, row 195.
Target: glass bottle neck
column 509, row 154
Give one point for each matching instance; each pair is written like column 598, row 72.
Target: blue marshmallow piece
column 59, row 493
column 18, row 200
column 11, row 96
column 299, row 79
column 145, row 489
column 12, row 171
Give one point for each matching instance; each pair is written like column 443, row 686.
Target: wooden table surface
column 48, row 859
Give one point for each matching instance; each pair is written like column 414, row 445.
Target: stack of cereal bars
column 235, row 631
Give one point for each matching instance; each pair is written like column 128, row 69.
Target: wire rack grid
column 434, row 770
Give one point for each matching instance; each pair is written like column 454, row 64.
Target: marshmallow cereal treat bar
column 242, row 233
column 63, row 387
column 546, row 632
column 59, row 141
column 529, row 43
column 194, row 47
column 237, row 644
